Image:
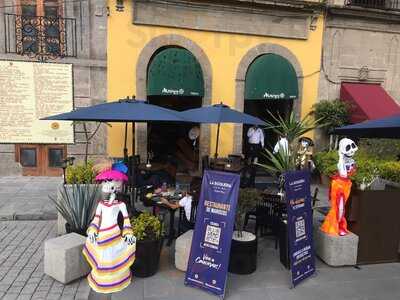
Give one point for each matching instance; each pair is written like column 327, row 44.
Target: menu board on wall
column 30, row 91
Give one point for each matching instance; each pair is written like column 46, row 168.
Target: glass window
column 28, row 157
column 56, row 157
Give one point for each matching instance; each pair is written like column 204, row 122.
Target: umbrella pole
column 126, row 137
column 133, row 171
column 216, row 146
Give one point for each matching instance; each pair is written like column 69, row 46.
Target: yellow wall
column 224, row 51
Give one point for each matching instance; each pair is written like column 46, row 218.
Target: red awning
column 368, row 101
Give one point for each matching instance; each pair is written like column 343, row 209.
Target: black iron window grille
column 40, row 37
column 377, row 4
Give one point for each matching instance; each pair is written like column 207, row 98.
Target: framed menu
column 30, row 91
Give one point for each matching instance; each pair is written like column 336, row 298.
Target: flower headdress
column 111, row 171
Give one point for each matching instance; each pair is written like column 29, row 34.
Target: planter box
column 243, row 258
column 60, row 220
column 147, row 258
column 374, row 217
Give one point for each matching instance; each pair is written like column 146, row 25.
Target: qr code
column 300, row 228
column 213, row 234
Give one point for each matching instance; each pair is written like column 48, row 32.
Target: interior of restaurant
column 170, row 141
column 260, row 109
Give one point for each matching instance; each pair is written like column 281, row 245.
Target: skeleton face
column 347, row 147
column 110, row 187
column 304, row 144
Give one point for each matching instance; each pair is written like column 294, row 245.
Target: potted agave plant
column 243, row 258
column 148, row 232
column 77, row 203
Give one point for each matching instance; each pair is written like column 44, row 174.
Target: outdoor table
column 225, row 164
column 152, row 168
column 156, row 203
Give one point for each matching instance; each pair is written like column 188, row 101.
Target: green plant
column 368, row 166
column 80, row 173
column 390, row 170
column 326, row 162
column 77, row 204
column 292, row 129
column 247, row 201
column 333, row 113
column 380, row 148
column 146, row 227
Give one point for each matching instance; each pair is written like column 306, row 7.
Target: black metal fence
column 378, row 4
column 40, row 37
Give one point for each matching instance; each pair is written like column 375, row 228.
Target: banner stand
column 299, row 226
column 212, row 237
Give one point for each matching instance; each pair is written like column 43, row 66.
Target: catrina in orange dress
column 335, row 222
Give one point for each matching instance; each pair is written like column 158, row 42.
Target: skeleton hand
column 130, row 239
column 92, row 236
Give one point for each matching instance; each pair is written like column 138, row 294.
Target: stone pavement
column 271, row 282
column 21, row 264
column 27, row 198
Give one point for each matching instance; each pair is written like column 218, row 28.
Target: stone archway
column 141, row 83
column 244, row 64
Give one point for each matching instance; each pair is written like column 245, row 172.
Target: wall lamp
column 119, row 6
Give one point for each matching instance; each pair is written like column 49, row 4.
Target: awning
column 272, row 77
column 368, row 101
column 175, row 71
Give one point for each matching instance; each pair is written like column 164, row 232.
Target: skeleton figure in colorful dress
column 110, row 251
column 335, row 222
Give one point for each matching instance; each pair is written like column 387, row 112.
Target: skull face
column 110, row 187
column 347, row 147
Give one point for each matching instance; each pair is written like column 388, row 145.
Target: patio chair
column 185, row 226
column 205, row 163
column 267, row 217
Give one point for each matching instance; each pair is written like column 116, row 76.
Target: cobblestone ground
column 21, row 264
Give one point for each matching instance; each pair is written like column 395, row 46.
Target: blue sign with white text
column 300, row 225
column 209, row 255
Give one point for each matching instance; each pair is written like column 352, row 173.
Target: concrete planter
column 61, row 223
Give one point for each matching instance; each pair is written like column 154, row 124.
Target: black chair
column 248, row 177
column 267, row 216
column 205, row 163
column 235, row 158
column 184, row 224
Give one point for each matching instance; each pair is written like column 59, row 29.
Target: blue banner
column 300, row 225
column 212, row 237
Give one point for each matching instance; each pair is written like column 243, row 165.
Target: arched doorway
column 175, row 81
column 271, row 87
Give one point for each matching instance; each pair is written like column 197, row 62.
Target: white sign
column 30, row 91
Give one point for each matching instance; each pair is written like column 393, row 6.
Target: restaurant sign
column 212, row 237
column 300, row 225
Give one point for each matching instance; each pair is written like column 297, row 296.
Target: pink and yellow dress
column 110, row 256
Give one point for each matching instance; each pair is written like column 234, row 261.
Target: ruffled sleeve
column 95, row 224
column 127, row 227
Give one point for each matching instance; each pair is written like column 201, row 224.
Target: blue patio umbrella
column 380, row 128
column 217, row 114
column 124, row 110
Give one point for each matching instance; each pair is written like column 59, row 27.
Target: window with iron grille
column 39, row 30
column 377, row 4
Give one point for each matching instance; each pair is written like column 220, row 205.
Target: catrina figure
column 335, row 222
column 109, row 250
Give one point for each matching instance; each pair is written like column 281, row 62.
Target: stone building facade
column 361, row 44
column 89, row 69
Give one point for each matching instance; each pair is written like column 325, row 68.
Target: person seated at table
column 186, row 203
